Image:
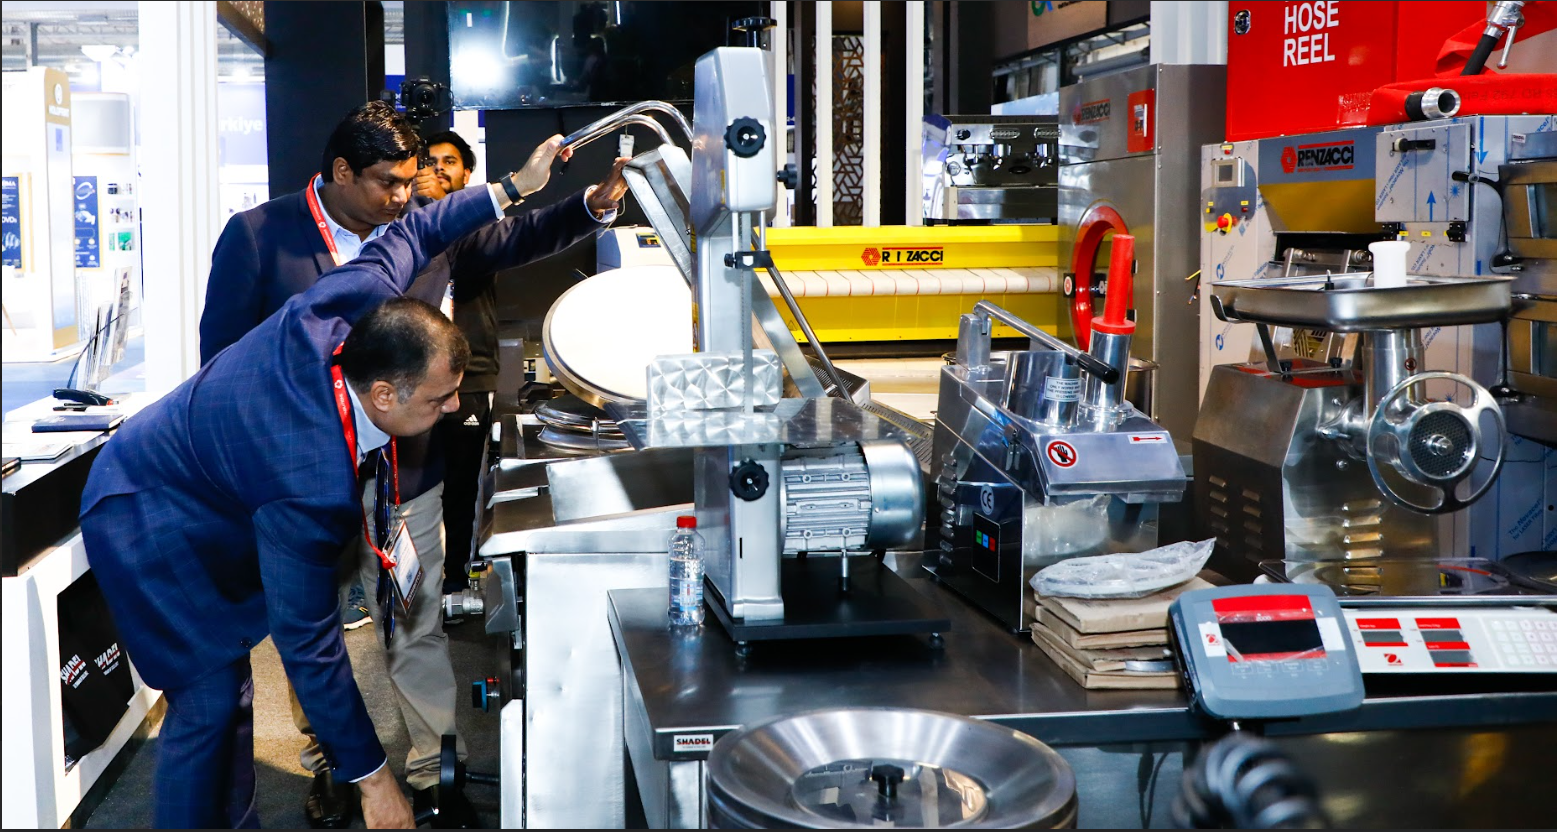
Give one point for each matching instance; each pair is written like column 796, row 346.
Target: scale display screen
column 1265, row 651
column 1268, row 628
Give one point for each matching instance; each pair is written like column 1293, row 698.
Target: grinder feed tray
column 1351, row 303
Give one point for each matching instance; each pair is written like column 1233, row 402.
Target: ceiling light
column 99, row 52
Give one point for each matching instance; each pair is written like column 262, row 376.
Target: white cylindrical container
column 1389, row 263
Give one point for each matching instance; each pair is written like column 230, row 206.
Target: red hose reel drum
column 1099, row 221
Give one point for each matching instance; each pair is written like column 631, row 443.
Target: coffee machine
column 991, row 169
column 1039, row 457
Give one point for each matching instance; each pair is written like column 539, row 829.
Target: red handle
column 1115, row 319
column 1098, row 222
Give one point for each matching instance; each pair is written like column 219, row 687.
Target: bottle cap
column 686, row 522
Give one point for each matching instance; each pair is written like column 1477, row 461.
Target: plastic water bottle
column 686, row 573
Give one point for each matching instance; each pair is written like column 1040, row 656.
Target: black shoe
column 329, row 805
column 448, row 810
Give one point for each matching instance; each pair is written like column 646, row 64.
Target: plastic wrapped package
column 1052, row 533
column 1124, row 575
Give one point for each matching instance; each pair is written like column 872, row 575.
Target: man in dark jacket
column 269, row 254
column 217, row 515
column 463, row 433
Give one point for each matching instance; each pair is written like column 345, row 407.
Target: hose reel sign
column 1061, row 453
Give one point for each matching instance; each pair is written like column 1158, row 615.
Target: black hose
column 1478, row 58
column 1244, row 782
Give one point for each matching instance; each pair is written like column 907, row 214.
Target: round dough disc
column 602, row 333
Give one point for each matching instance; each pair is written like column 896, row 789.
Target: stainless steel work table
column 683, row 691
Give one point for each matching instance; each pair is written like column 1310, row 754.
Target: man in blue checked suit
column 217, row 516
column 269, row 254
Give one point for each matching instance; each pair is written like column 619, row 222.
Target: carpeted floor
column 282, row 783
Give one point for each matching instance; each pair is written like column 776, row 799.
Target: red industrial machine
column 1308, row 67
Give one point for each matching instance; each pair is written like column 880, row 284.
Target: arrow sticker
column 1481, row 134
column 1432, row 198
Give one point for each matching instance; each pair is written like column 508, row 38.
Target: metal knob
column 887, row 777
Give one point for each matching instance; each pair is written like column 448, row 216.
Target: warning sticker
column 1061, row 453
column 1148, row 438
column 1060, row 389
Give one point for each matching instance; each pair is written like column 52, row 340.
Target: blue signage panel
column 87, row 255
column 11, row 221
column 240, row 124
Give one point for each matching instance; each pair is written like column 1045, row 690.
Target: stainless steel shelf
column 1351, row 303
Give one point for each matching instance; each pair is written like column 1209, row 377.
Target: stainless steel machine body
column 824, row 476
column 557, row 534
column 1345, row 459
column 984, row 169
column 1029, row 469
column 1466, row 194
column 774, row 478
column 1128, row 145
column 1529, row 177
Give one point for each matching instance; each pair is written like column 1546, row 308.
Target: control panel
column 1436, row 639
column 1266, row 651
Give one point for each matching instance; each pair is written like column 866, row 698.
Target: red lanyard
column 349, row 428
column 324, row 227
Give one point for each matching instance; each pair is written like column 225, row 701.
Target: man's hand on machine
column 607, row 195
column 383, row 804
column 537, row 171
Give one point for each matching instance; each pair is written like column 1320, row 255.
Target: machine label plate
column 691, row 743
column 903, row 256
column 1319, row 157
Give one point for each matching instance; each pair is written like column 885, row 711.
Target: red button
column 1224, row 221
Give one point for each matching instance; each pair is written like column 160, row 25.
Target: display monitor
column 513, row 55
column 1268, row 628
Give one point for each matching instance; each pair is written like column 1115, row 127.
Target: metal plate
column 1352, row 304
column 768, row 774
column 601, row 334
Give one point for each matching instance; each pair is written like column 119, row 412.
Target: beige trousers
column 420, row 671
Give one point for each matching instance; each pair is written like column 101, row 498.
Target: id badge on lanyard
column 407, row 570
column 398, row 556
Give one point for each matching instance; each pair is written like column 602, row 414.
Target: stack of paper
column 1108, row 643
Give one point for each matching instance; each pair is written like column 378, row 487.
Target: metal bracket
column 749, row 260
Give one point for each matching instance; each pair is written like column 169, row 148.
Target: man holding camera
column 463, row 432
column 267, row 255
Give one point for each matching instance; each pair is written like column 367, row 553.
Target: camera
column 424, row 99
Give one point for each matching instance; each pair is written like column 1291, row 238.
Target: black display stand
column 877, row 603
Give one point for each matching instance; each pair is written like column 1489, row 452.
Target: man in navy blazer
column 217, row 516
column 267, row 255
